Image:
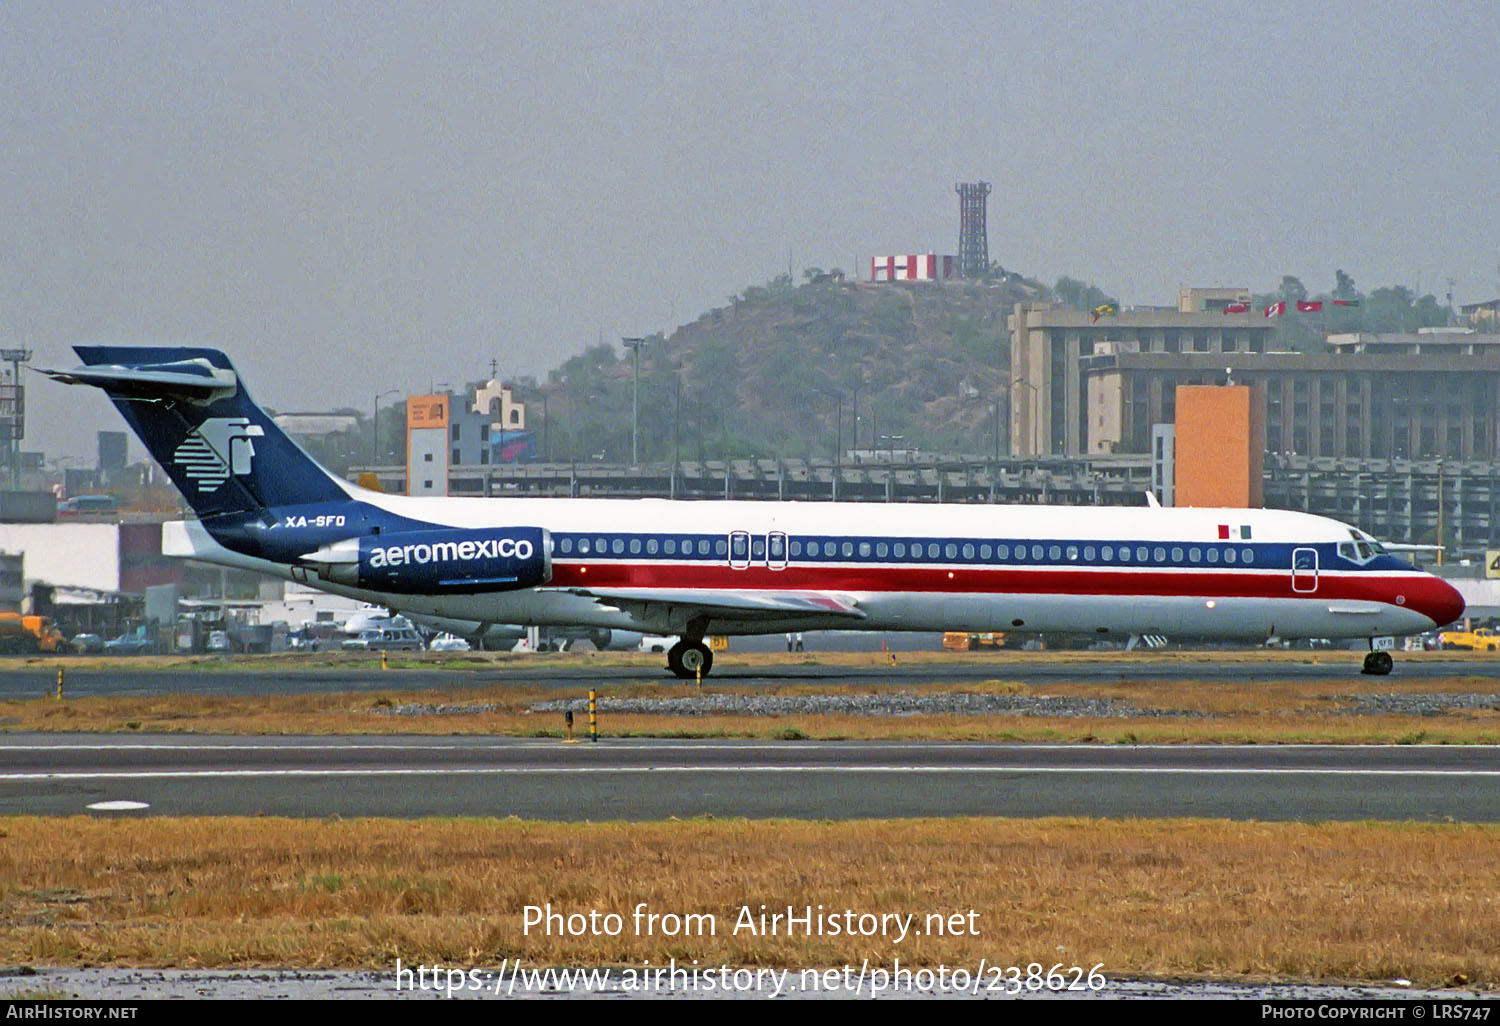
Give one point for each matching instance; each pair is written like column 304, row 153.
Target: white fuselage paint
column 1136, row 608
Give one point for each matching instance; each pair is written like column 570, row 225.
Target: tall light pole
column 635, row 345
column 855, row 417
column 546, row 426
column 375, row 426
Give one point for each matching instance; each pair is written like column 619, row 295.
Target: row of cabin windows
column 968, row 551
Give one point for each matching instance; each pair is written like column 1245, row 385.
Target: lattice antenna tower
column 973, row 235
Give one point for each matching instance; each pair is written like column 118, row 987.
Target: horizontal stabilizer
column 196, row 381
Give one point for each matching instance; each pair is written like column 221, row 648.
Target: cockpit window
column 1361, row 550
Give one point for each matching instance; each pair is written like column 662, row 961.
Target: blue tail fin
column 191, row 410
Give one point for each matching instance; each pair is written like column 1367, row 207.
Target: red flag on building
column 1309, row 305
column 1276, row 309
column 1230, row 308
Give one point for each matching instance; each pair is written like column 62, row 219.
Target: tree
column 1349, row 317
column 1292, row 290
column 1082, row 295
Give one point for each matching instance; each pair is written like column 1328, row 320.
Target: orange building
column 427, row 445
column 1221, row 444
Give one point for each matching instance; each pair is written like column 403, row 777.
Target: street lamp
column 375, row 427
column 635, row 345
column 855, row 416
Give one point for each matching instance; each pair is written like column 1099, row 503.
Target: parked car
column 390, row 639
column 658, row 642
column 87, row 644
column 133, row 643
column 448, row 643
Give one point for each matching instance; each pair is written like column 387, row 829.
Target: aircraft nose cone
column 1436, row 599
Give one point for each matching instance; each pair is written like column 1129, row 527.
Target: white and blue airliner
column 698, row 568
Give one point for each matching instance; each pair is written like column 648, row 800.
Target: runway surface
column 406, row 776
column 33, row 679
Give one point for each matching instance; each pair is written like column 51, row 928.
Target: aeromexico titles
column 699, row 568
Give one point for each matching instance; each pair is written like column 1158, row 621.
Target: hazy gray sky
column 354, row 197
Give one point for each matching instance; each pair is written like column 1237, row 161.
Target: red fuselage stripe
column 1005, row 581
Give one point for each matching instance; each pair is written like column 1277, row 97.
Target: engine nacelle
column 445, row 561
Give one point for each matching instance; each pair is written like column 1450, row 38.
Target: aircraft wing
column 724, row 604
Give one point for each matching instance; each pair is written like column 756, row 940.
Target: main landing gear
column 1378, row 664
column 690, row 659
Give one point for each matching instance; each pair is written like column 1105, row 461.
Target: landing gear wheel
column 1378, row 664
column 688, row 659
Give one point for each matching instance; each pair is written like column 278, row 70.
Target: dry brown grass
column 1165, row 898
column 1269, row 712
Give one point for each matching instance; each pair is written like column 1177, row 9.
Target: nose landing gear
column 1378, row 664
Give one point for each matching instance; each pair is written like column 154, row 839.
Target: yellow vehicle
column 1480, row 639
column 964, row 641
column 29, row 634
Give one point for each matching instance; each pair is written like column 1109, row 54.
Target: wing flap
column 741, row 605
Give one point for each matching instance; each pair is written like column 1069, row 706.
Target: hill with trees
column 789, row 369
column 796, row 369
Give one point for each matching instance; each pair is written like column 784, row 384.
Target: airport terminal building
column 1084, row 387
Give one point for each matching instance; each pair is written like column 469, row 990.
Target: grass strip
column 1164, row 898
